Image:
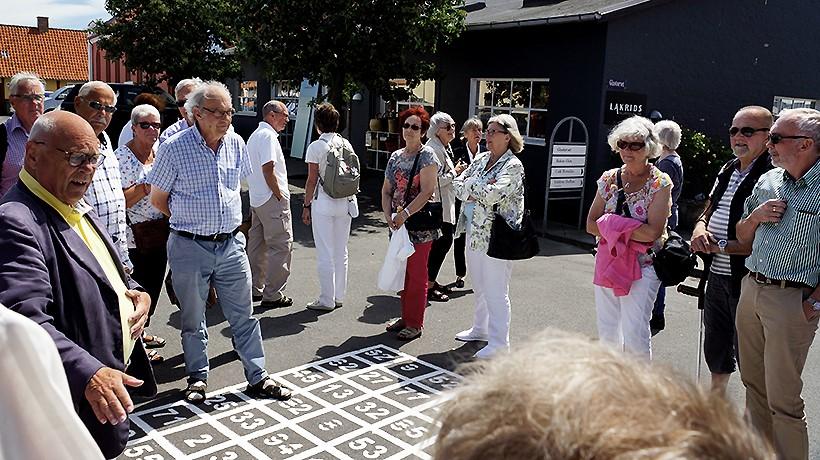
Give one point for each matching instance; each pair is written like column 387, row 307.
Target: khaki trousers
column 773, row 340
column 270, row 244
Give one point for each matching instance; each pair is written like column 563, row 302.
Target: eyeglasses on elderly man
column 77, row 159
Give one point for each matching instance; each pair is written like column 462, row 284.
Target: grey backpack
column 341, row 177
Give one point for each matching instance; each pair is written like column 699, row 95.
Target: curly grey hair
column 636, row 126
column 438, row 119
column 669, row 133
column 205, row 91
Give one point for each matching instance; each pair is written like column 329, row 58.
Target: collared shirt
column 106, row 197
column 719, row 223
column 75, row 217
column 264, row 147
column 203, row 185
column 790, row 249
column 173, row 129
column 16, row 152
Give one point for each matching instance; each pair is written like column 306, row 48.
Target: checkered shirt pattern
column 173, row 129
column 203, row 185
column 106, row 197
column 15, row 153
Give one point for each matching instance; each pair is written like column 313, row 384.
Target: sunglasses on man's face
column 775, row 138
column 409, row 126
column 746, row 131
column 146, row 125
column 100, row 107
column 634, row 146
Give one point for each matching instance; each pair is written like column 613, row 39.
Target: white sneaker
column 338, row 303
column 488, row 352
column 315, row 305
column 471, row 336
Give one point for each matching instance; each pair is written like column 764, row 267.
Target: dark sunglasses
column 409, row 126
column 775, row 138
column 746, row 131
column 97, row 106
column 181, row 102
column 77, row 159
column 146, row 125
column 634, row 146
column 447, row 126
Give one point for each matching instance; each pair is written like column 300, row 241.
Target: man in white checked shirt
column 96, row 103
column 714, row 236
column 195, row 181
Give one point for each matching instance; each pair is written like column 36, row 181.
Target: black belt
column 215, row 237
column 782, row 284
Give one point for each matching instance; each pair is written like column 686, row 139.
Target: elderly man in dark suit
column 60, row 268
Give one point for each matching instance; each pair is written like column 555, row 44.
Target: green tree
column 348, row 44
column 171, row 39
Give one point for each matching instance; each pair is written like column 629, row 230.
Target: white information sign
column 575, row 182
column 569, row 149
column 567, row 172
column 568, row 161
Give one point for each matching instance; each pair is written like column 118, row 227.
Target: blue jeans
column 195, row 265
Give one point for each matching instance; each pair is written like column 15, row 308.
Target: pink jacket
column 616, row 263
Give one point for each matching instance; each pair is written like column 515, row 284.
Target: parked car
column 126, row 93
column 56, row 98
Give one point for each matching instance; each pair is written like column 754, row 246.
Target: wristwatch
column 815, row 304
column 722, row 246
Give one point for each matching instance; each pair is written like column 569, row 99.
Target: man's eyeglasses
column 30, row 97
column 409, row 126
column 746, row 131
column 221, row 113
column 146, row 125
column 634, row 146
column 77, row 159
column 492, row 131
column 100, row 107
column 775, row 138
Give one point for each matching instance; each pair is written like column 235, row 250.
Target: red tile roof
column 58, row 54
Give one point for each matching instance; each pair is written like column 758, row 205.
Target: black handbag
column 430, row 216
column 675, row 260
column 508, row 243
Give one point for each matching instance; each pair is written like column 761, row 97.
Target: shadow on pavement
column 381, row 308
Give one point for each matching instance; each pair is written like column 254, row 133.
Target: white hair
column 472, row 123
column 96, row 84
column 668, row 133
column 806, row 120
column 185, row 83
column 141, row 111
column 636, row 126
column 509, row 123
column 204, row 91
column 21, row 77
column 438, row 119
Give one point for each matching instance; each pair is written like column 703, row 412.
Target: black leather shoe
column 657, row 323
column 284, row 302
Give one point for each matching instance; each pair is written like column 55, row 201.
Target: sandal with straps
column 395, row 326
column 409, row 333
column 268, row 388
column 437, row 296
column 153, row 341
column 195, row 392
column 154, row 357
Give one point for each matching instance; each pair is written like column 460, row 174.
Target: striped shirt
column 106, row 197
column 719, row 221
column 15, row 153
column 203, row 185
column 788, row 250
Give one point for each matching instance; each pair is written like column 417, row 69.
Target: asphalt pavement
column 553, row 289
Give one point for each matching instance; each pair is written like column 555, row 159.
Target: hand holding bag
column 508, row 243
column 430, row 216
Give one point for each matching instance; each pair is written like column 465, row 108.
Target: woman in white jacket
column 441, row 132
column 329, row 217
column 493, row 184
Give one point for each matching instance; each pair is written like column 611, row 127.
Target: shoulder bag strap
column 621, row 208
column 410, row 180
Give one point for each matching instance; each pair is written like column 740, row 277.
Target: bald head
column 53, row 138
column 761, row 114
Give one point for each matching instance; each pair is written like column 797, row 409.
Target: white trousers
column 331, row 231
column 491, row 286
column 623, row 322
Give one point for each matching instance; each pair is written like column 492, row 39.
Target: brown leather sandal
column 408, row 333
column 395, row 326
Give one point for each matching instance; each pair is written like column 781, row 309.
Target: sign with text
column 567, row 172
column 569, row 149
column 621, row 105
column 576, row 182
column 568, row 161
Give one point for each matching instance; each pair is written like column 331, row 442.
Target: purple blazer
column 48, row 274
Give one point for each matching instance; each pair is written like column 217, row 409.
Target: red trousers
column 414, row 296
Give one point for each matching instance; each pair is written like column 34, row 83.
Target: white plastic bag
column 391, row 275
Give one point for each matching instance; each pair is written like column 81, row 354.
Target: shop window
column 247, row 97
column 287, row 92
column 783, row 102
column 526, row 100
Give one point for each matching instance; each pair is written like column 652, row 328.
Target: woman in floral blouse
column 493, row 183
column 624, row 320
column 397, row 178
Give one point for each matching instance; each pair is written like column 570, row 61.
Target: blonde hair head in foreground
column 563, row 396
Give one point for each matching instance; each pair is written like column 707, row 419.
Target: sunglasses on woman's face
column 146, row 125
column 409, row 126
column 634, row 146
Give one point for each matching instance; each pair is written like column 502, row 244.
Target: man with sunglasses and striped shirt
column 779, row 305
column 714, row 237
